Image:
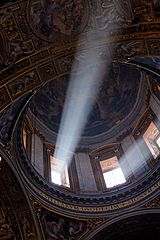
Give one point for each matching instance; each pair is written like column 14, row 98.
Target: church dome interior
column 79, row 119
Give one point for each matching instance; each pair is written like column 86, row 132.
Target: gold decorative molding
column 155, row 203
column 92, row 209
column 37, row 207
column 92, row 223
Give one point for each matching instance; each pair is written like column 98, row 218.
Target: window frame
column 111, row 171
column 65, row 172
column 106, row 152
column 158, row 137
column 154, row 154
column 72, row 172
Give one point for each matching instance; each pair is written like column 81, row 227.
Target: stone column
column 85, row 172
column 37, row 154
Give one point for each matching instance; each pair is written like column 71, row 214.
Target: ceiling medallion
column 55, row 19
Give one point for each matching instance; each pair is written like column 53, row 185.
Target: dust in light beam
column 85, row 80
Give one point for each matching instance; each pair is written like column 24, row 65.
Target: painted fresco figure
column 53, row 17
column 74, row 229
column 53, row 229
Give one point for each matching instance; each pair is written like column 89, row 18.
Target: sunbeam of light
column 138, row 153
column 81, row 93
column 136, row 158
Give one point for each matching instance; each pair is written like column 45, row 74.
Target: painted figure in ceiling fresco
column 53, row 18
column 74, row 229
column 114, row 12
column 53, row 231
column 56, row 228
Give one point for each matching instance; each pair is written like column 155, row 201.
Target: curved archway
column 142, row 224
column 16, row 217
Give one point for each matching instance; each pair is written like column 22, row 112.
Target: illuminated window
column 24, row 137
column 112, row 172
column 158, row 141
column 59, row 172
column 152, row 139
column 27, row 140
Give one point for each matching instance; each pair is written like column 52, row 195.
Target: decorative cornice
column 155, row 203
column 31, row 62
column 65, row 200
column 143, row 122
column 92, row 223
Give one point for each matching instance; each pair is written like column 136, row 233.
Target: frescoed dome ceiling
column 38, row 48
column 115, row 101
column 39, row 42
